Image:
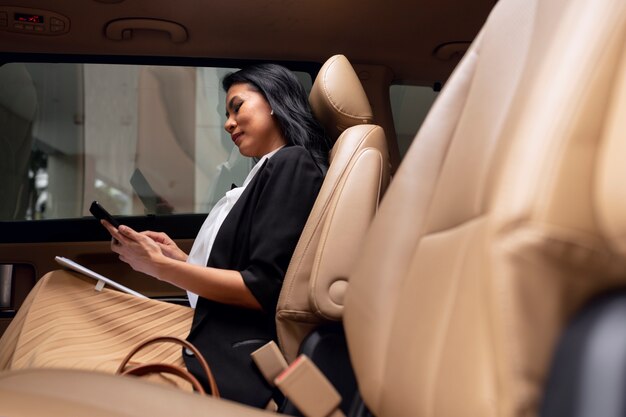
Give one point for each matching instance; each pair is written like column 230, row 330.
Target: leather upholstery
column 357, row 177
column 317, row 277
column 611, row 197
column 503, row 219
column 337, row 97
column 62, row 393
column 506, row 215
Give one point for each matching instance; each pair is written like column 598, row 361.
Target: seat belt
column 270, row 361
column 302, row 382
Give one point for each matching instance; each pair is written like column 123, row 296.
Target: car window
column 138, row 138
column 410, row 105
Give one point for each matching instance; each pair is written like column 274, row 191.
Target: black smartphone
column 101, row 214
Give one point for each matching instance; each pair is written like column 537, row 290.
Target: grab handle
column 122, row 29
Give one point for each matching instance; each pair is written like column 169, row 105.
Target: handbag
column 153, row 368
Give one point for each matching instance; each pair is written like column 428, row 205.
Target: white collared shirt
column 201, row 249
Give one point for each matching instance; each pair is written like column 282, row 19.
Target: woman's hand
column 146, row 252
column 167, row 245
column 138, row 250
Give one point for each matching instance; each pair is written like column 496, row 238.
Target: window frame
column 88, row 229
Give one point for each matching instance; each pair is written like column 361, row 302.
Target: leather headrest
column 337, row 97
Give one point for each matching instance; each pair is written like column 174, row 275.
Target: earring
column 272, row 112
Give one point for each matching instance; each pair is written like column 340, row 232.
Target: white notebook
column 68, row 263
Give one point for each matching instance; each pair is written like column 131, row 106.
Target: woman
column 236, row 266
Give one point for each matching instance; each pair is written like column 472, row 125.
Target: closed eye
column 233, row 106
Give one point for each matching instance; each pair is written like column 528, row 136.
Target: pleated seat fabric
column 65, row 323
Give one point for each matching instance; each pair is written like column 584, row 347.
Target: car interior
column 465, row 256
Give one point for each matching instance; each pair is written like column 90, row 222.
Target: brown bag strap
column 164, row 368
column 183, row 373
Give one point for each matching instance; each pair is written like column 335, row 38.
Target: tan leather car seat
column 358, row 175
column 505, row 217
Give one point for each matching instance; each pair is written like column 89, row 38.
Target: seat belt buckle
column 270, row 361
column 309, row 390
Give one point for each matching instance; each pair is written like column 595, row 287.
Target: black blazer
column 257, row 238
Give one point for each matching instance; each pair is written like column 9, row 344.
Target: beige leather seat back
column 358, row 175
column 507, row 214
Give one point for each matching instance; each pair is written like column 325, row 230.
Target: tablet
column 88, row 272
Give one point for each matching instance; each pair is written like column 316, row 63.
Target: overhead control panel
column 33, row 21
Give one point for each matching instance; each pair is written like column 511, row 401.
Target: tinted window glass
column 410, row 105
column 74, row 133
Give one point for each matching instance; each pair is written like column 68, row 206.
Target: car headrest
column 337, row 98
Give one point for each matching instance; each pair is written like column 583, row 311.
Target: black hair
column 288, row 99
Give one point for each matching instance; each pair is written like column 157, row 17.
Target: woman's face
column 250, row 122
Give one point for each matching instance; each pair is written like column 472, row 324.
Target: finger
column 116, row 246
column 115, row 234
column 108, row 226
column 111, row 229
column 130, row 233
column 156, row 236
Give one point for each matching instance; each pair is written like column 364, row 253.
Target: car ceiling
column 401, row 34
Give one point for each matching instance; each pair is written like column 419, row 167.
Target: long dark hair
column 288, row 100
